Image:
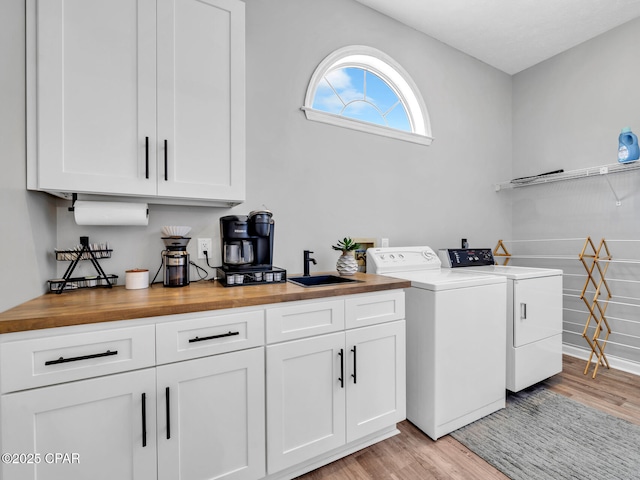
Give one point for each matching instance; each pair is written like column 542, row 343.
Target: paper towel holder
column 74, row 197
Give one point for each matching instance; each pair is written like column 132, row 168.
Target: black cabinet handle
column 108, row 353
column 166, row 161
column 354, row 375
column 341, row 354
column 146, row 157
column 202, row 339
column 166, row 397
column 144, row 419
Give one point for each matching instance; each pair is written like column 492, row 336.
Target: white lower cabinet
column 376, row 393
column 326, row 391
column 305, row 399
column 210, row 424
column 211, row 417
column 199, row 396
column 101, row 428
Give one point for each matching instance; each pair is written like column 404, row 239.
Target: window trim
column 379, row 63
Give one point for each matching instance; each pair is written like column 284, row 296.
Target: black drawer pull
column 146, row 157
column 166, row 399
column 108, row 353
column 202, row 339
column 341, row 379
column 166, row 161
column 144, row 419
column 354, row 374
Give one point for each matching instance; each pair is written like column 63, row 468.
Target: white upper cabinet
column 137, row 98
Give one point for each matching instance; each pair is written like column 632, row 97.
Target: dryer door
column 537, row 309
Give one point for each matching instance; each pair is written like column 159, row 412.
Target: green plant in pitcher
column 346, row 245
column 347, row 264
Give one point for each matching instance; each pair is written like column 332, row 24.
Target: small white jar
column 136, row 279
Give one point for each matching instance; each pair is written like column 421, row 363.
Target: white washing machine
column 534, row 314
column 455, row 339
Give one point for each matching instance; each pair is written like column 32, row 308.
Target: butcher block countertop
column 95, row 305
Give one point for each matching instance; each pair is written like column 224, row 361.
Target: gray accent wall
column 567, row 113
column 27, row 219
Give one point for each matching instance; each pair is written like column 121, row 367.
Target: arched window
column 362, row 88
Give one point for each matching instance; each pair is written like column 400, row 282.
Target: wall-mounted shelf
column 84, row 252
column 603, row 170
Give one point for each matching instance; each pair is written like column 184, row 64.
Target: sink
column 320, row 280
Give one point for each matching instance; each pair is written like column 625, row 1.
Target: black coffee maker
column 247, row 241
column 247, row 249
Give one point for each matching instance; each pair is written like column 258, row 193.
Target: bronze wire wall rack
column 501, row 251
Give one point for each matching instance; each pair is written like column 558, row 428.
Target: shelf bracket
column 604, row 171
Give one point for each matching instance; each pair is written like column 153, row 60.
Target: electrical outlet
column 384, row 242
column 204, row 245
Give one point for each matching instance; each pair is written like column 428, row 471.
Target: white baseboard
column 614, row 362
column 336, row 454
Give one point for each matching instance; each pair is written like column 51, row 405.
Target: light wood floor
column 413, row 455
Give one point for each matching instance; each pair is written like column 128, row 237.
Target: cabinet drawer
column 304, row 319
column 370, row 309
column 64, row 358
column 209, row 335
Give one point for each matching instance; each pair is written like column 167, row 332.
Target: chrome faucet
column 307, row 260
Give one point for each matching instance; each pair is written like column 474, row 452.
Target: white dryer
column 455, row 339
column 534, row 314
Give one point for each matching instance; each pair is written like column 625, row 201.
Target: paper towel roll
column 110, row 213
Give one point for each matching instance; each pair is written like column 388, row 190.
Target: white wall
column 567, row 113
column 323, row 182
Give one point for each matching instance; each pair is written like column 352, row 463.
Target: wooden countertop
column 95, row 305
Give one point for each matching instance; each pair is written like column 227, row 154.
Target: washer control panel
column 466, row 257
column 401, row 259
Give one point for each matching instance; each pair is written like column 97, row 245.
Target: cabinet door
column 211, row 417
column 376, row 378
column 201, row 99
column 95, row 95
column 305, row 398
column 98, row 424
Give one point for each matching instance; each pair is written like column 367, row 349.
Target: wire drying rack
column 596, row 263
column 596, row 294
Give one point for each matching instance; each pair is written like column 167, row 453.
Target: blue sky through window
column 359, row 94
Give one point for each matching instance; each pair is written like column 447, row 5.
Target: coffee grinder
column 175, row 261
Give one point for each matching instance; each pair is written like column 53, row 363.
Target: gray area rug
column 544, row 435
